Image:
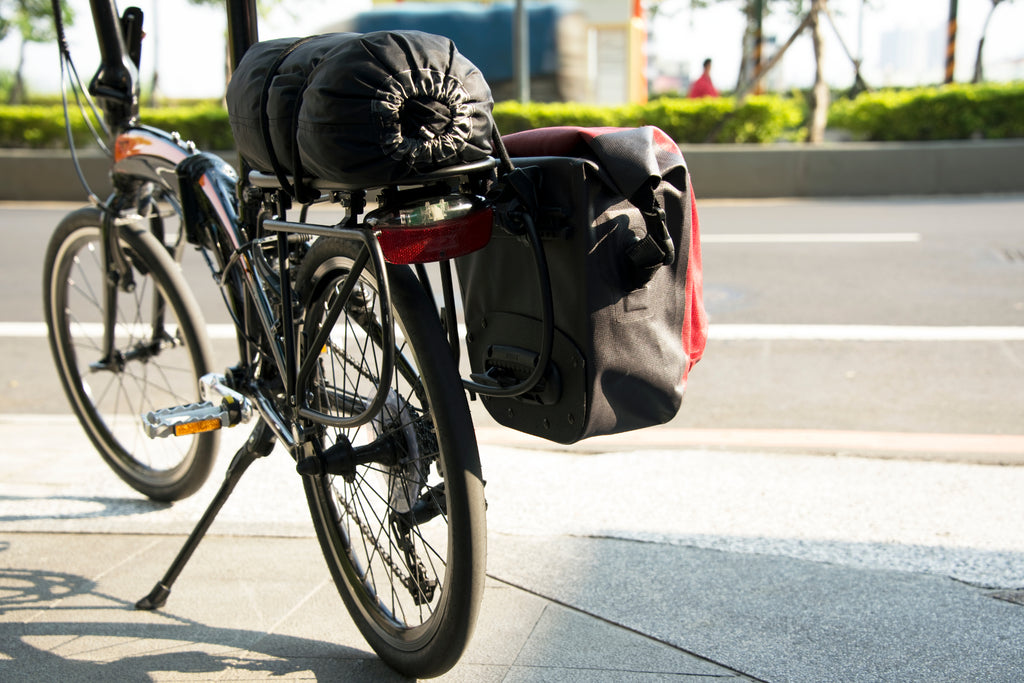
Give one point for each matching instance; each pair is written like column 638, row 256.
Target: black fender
column 208, row 201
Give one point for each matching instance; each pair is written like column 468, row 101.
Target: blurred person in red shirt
column 703, row 87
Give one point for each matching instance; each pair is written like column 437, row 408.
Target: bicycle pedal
column 191, row 418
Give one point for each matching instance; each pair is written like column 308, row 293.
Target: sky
column 910, row 32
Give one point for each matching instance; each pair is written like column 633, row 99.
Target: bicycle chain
column 414, row 588
column 359, row 367
column 422, row 590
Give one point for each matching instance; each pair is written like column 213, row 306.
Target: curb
column 853, row 169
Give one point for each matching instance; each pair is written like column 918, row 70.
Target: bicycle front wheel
column 404, row 535
column 159, row 352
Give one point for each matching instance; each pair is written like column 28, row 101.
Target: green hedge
column 35, row 127
column 952, row 112
column 41, row 127
column 204, row 124
column 944, row 113
column 758, row 119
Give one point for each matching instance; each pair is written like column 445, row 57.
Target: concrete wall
column 857, row 169
column 723, row 171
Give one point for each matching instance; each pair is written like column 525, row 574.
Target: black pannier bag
column 359, row 109
column 622, row 243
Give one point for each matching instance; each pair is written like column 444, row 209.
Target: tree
column 820, row 91
column 820, row 94
column 262, row 6
column 754, row 12
column 32, row 20
column 978, row 69
column 818, row 12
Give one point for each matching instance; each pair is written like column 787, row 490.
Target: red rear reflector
column 438, row 241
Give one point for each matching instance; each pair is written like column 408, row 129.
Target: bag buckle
column 510, row 365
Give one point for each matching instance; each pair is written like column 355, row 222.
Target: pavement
column 648, row 562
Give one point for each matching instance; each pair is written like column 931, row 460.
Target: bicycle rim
column 160, row 353
column 405, row 540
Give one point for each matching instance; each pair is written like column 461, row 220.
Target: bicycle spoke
column 110, row 388
column 377, row 554
column 382, row 522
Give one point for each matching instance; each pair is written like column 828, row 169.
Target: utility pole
column 758, row 43
column 521, row 51
column 951, row 43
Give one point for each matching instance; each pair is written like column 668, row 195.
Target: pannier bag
column 359, row 109
column 622, row 243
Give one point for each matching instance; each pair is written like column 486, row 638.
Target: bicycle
column 345, row 357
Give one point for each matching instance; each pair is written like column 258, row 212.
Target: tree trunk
column 17, row 93
column 768, row 65
column 979, row 75
column 819, row 112
column 746, row 73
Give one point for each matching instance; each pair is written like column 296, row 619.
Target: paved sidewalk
column 628, row 566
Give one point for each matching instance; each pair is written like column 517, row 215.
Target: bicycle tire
column 149, row 373
column 418, row 628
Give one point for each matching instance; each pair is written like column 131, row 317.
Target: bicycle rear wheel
column 160, row 352
column 404, row 538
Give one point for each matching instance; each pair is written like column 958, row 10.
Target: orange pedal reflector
column 197, row 427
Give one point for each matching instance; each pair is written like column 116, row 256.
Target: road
column 920, row 277
column 884, row 317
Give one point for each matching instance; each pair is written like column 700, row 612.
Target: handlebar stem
column 116, row 83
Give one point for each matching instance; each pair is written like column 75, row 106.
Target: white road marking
column 38, row 330
column 867, row 333
column 993, row 447
column 811, row 238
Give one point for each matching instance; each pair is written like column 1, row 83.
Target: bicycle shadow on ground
column 101, row 642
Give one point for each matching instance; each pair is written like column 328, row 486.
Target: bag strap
column 303, row 193
column 268, row 79
column 655, row 249
column 634, row 161
column 630, row 158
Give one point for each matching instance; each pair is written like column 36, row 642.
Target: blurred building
column 616, row 51
column 913, row 55
column 590, row 51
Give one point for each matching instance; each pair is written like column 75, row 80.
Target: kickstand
column 259, row 444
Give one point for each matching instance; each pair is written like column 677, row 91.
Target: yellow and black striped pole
column 951, row 43
column 758, row 44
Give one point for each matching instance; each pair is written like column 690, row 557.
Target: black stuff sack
column 264, row 91
column 622, row 242
column 359, row 109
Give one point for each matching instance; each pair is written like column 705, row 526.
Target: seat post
column 243, row 31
